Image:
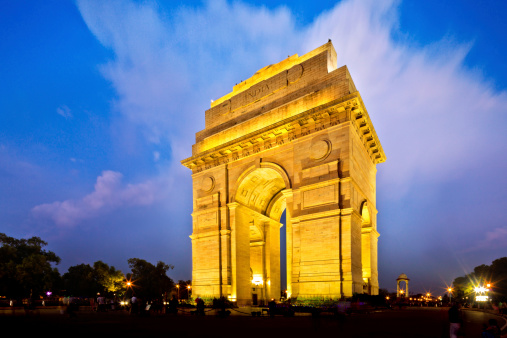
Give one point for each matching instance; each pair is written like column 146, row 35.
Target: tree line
column 26, row 271
column 495, row 275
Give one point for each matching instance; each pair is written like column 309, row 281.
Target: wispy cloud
column 437, row 119
column 430, row 110
column 423, row 101
column 109, row 194
column 492, row 240
column 156, row 156
column 64, row 111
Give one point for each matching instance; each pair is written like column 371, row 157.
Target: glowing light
column 481, row 298
column 129, row 283
column 481, row 289
column 257, row 280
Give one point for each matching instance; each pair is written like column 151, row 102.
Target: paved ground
column 410, row 322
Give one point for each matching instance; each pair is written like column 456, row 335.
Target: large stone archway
column 296, row 137
column 254, row 216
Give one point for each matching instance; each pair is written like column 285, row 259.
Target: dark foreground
column 410, row 322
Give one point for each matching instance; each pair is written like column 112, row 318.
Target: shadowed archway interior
column 260, row 206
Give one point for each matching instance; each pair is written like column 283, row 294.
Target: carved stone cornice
column 349, row 108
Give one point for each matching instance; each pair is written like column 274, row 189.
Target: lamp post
column 178, row 287
column 449, row 290
column 188, row 292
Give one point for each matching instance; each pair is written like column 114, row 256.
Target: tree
column 150, row 281
column 85, row 280
column 110, row 279
column 80, row 280
column 499, row 279
column 25, row 267
column 460, row 288
column 494, row 274
column 183, row 289
column 481, row 274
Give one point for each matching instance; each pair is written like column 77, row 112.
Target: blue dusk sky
column 100, row 100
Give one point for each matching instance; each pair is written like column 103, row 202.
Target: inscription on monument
column 259, row 92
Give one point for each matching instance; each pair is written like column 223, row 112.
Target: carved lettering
column 255, row 92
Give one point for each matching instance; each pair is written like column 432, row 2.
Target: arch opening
column 261, row 203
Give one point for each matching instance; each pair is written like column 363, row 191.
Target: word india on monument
column 295, row 137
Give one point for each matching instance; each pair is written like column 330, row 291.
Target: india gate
column 295, row 137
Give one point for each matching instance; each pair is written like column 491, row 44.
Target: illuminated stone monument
column 399, row 291
column 295, row 136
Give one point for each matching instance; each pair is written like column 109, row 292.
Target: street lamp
column 178, row 287
column 188, row 293
column 449, row 290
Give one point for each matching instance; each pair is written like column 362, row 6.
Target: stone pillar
column 351, row 253
column 240, row 255
column 272, row 260
column 289, row 237
column 369, row 239
column 226, row 262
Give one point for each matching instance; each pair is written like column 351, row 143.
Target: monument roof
column 281, row 100
column 273, row 69
column 402, row 276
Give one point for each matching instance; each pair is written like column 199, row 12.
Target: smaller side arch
column 365, row 213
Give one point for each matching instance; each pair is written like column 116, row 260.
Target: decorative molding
column 347, row 109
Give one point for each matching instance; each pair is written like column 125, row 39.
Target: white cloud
column 493, row 239
column 64, row 111
column 109, row 194
column 430, row 111
column 424, row 102
column 436, row 119
column 156, row 156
